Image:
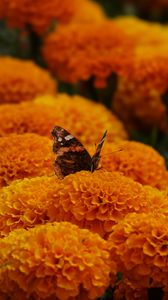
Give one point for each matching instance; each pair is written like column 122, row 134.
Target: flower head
column 24, row 203
column 63, row 110
column 23, row 81
column 99, row 200
column 88, row 11
column 96, row 52
column 139, row 99
column 136, row 160
column 139, row 245
column 40, row 14
column 95, row 201
column 27, row 155
column 54, row 261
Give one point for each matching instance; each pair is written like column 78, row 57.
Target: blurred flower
column 136, row 160
column 125, row 291
column 40, row 14
column 143, row 32
column 96, row 52
column 139, row 246
column 88, row 11
column 54, row 261
column 27, row 155
column 141, row 96
column 23, row 80
column 95, row 201
column 84, row 119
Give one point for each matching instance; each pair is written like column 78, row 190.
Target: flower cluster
column 40, row 14
column 136, row 160
column 96, row 52
column 139, row 246
column 95, row 201
column 54, row 261
column 27, row 155
column 139, row 99
column 23, row 81
column 68, row 112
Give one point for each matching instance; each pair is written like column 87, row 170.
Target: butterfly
column 72, row 156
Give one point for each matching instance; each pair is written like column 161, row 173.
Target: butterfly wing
column 71, row 154
column 96, row 157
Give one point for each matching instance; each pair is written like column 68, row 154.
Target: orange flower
column 83, row 118
column 95, row 201
column 99, row 200
column 143, row 32
column 125, row 291
column 139, row 99
column 27, row 155
column 136, row 160
column 24, row 203
column 54, row 261
column 41, row 13
column 23, row 81
column 139, row 245
column 88, row 11
column 96, row 52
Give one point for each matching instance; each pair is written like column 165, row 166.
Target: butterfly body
column 72, row 157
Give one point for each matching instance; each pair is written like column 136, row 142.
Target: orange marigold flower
column 54, row 261
column 95, row 201
column 66, row 111
column 136, row 160
column 40, row 14
column 27, row 155
column 126, row 291
column 96, row 52
column 88, row 11
column 143, row 32
column 139, row 245
column 24, row 203
column 141, row 94
column 23, row 81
